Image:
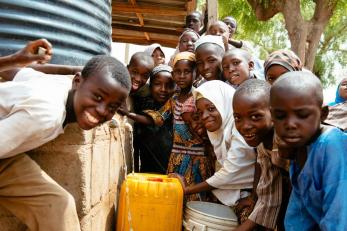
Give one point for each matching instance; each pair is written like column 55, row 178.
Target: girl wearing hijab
column 341, row 93
column 280, row 62
column 233, row 178
column 185, row 43
column 156, row 52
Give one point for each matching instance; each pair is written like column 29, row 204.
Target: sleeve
column 334, row 183
column 237, row 171
column 163, row 114
column 26, row 74
column 15, row 130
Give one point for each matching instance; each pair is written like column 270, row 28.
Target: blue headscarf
column 338, row 98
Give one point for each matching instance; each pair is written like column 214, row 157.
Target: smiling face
column 252, row 118
column 231, row 23
column 187, row 42
column 274, row 72
column 96, row 98
column 210, row 117
column 296, row 115
column 139, row 71
column 183, row 74
column 236, row 67
column 162, row 87
column 343, row 88
column 208, row 61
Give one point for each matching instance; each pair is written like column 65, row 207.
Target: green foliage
column 267, row 36
column 272, row 35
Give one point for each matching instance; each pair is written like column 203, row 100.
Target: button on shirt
column 32, row 110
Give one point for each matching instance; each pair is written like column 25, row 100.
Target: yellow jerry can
column 150, row 202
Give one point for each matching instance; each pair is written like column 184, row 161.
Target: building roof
column 149, row 21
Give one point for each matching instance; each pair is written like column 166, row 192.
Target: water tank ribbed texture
column 78, row 29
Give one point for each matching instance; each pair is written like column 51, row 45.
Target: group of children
column 242, row 137
column 207, row 119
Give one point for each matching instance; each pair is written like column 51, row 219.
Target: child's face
column 219, row 29
column 274, row 72
column 96, row 99
column 296, row 116
column 139, row 73
column 183, row 74
column 193, row 22
column 252, row 118
column 208, row 62
column 162, row 87
column 209, row 115
column 236, row 68
column 194, row 122
column 158, row 57
column 187, row 42
column 231, row 25
column 343, row 88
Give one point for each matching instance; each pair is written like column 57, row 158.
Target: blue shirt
column 319, row 196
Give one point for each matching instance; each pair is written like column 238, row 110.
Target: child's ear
column 251, row 65
column 324, row 113
column 77, row 80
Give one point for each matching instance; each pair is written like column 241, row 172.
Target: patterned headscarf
column 187, row 30
column 159, row 68
column 286, row 58
column 185, row 55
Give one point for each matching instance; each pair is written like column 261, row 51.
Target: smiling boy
column 251, row 104
column 34, row 108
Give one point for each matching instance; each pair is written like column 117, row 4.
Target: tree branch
column 264, row 10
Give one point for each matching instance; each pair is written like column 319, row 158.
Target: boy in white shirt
column 34, row 108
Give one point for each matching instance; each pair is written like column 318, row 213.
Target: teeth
column 91, row 118
column 249, row 135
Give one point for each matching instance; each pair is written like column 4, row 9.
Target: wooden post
column 212, row 10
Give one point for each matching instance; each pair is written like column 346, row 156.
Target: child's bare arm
column 57, row 69
column 136, row 117
column 11, row 64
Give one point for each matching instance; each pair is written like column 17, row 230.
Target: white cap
column 218, row 40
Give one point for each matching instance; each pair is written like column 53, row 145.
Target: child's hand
column 180, row 178
column 30, row 53
column 245, row 202
column 123, row 110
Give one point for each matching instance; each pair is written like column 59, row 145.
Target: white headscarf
column 232, row 152
column 221, row 95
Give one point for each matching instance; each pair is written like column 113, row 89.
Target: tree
column 270, row 23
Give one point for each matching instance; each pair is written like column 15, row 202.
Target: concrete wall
column 88, row 164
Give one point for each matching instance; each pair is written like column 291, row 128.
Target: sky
column 119, row 51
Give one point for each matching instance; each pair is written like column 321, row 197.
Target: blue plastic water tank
column 78, row 29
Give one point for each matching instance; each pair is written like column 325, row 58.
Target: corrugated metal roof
column 149, row 21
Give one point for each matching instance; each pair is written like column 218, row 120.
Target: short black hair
column 111, row 66
column 243, row 52
column 201, row 17
column 300, row 81
column 219, row 49
column 255, row 88
column 144, row 57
